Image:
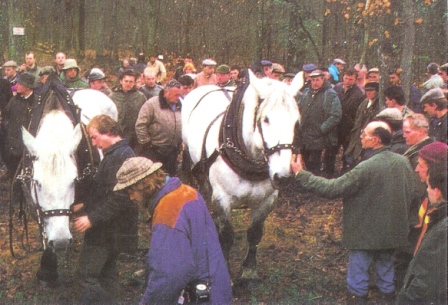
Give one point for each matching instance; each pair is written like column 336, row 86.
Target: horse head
column 54, row 174
column 276, row 119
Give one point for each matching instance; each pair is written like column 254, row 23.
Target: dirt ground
column 300, row 259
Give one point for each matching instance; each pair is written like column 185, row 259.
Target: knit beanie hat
column 434, row 153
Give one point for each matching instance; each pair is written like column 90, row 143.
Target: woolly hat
column 434, row 153
column 308, row 68
column 134, row 170
column 432, row 94
column 223, row 69
column 27, row 79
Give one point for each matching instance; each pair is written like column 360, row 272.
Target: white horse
column 267, row 120
column 61, row 154
column 52, row 187
column 92, row 103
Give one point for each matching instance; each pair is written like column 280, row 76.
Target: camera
column 198, row 291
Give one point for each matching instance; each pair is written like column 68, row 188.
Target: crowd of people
column 392, row 178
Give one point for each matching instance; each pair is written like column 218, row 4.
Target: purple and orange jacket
column 184, row 247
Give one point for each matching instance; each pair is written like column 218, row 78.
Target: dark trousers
column 97, row 273
column 312, row 159
column 167, row 156
column 330, row 160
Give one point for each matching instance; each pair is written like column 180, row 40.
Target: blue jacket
column 184, row 247
column 335, row 73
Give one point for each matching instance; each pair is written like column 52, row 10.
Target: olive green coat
column 75, row 83
column 128, row 106
column 376, row 195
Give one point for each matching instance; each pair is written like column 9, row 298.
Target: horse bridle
column 268, row 151
column 25, row 178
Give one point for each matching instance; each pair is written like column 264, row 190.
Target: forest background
column 379, row 33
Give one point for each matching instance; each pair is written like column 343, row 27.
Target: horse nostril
column 70, row 241
column 51, row 244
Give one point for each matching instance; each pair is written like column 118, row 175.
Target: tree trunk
column 366, row 25
column 81, row 29
column 408, row 50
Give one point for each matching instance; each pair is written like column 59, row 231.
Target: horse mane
column 54, row 146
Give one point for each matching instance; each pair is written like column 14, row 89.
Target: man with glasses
column 375, row 195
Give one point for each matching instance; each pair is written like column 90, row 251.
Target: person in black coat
column 108, row 218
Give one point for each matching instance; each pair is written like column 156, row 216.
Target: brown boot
column 355, row 300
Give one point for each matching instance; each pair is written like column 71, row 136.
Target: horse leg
column 225, row 230
column 254, row 235
column 48, row 272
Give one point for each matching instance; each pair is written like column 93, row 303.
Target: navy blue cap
column 265, row 63
column 309, row 68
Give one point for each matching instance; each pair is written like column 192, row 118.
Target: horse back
column 202, row 112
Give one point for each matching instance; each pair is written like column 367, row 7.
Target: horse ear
column 260, row 85
column 297, row 83
column 29, row 141
column 77, row 136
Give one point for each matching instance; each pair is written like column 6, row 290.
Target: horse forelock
column 54, row 150
column 277, row 96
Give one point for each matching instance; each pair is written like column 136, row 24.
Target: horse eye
column 266, row 120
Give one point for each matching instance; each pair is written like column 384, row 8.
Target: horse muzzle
column 59, row 244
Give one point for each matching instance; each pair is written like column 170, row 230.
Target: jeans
column 359, row 262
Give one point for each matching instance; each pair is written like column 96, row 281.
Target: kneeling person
column 184, row 244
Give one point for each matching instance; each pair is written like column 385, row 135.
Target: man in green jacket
column 70, row 75
column 376, row 194
column 128, row 100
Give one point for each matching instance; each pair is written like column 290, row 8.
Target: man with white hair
column 375, row 195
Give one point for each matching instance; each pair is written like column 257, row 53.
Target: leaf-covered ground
column 300, row 259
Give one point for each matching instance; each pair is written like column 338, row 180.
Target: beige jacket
column 158, row 124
